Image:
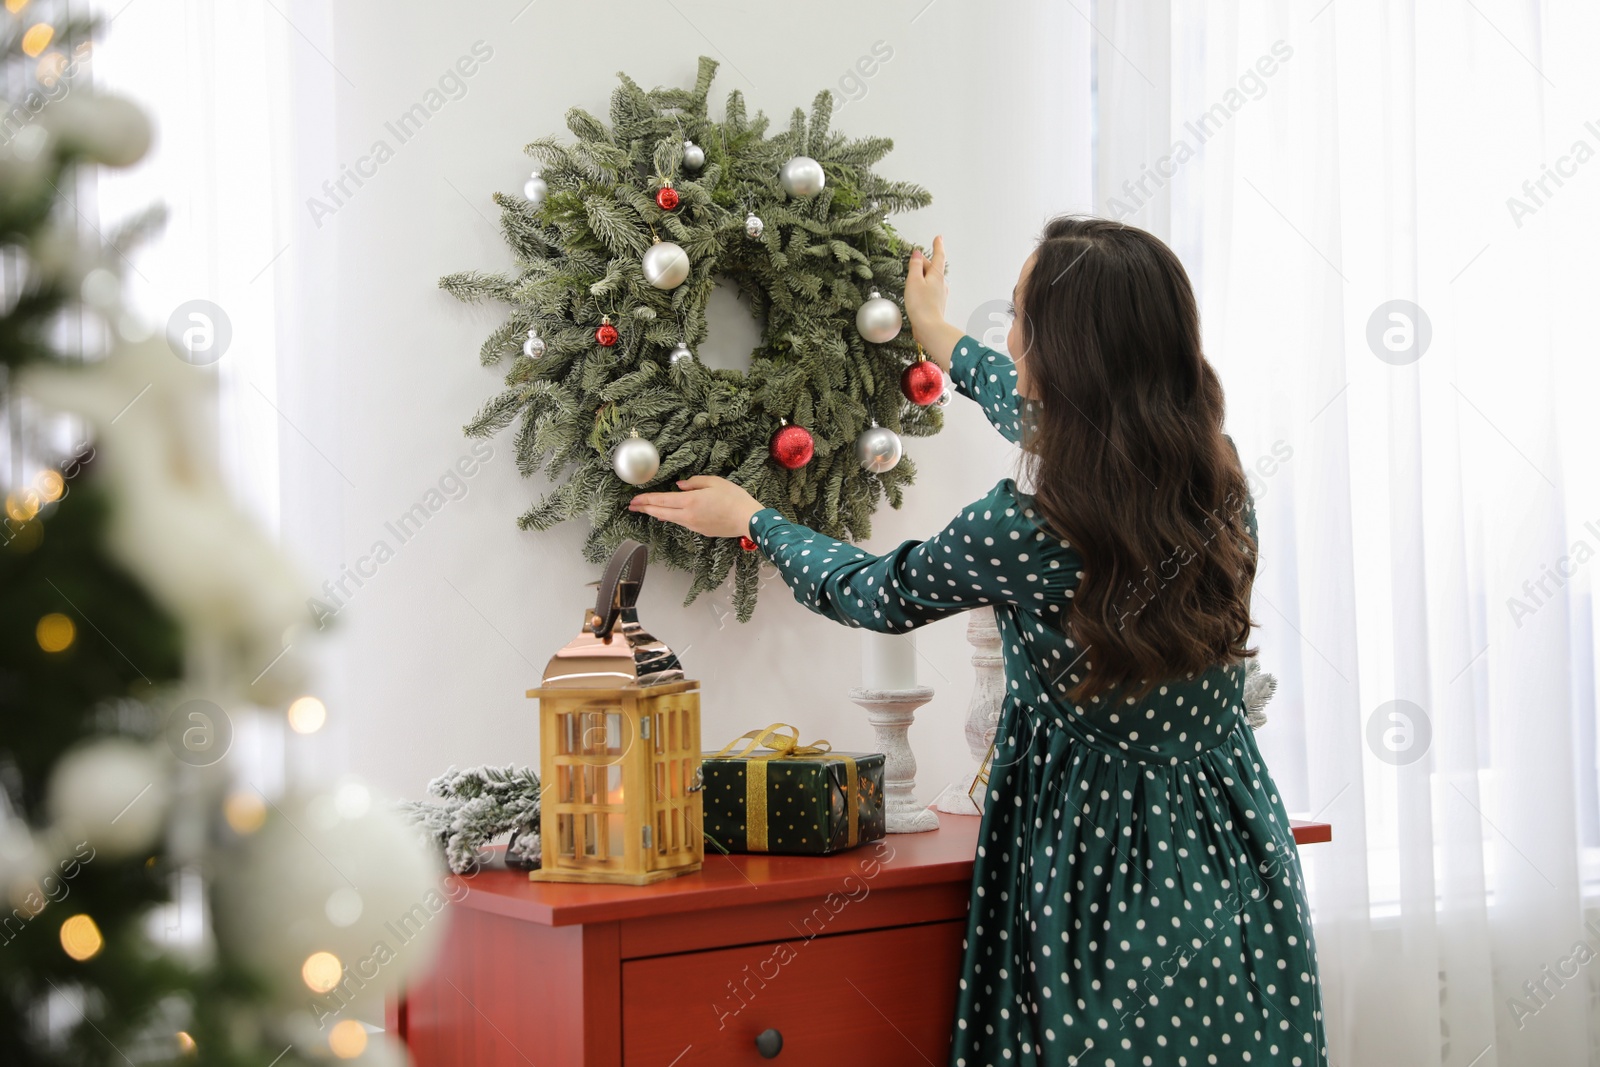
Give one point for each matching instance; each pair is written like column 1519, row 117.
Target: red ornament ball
column 747, row 544
column 922, row 382
column 667, row 198
column 606, row 335
column 793, row 447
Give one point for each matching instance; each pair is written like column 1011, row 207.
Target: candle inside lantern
column 613, row 820
column 888, row 661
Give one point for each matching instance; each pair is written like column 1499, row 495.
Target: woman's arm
column 990, row 378
column 995, row 550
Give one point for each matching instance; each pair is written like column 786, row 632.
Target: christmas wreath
column 620, row 238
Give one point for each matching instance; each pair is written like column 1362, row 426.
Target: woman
column 1137, row 895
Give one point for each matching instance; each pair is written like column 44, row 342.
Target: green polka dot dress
column 1137, row 896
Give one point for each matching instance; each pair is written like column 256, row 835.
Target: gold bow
column 782, row 745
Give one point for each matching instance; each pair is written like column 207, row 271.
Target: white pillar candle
column 888, row 661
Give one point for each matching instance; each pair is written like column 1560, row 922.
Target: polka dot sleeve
column 994, row 551
column 990, row 378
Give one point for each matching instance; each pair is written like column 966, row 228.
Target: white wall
column 989, row 109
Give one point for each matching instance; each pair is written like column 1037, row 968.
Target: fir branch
column 498, row 344
column 585, row 127
column 473, row 286
column 821, row 112
column 475, row 807
column 600, row 163
column 702, row 82
column 612, row 226
column 496, row 415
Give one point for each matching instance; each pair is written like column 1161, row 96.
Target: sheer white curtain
column 1430, row 516
column 240, row 97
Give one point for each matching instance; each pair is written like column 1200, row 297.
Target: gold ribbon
column 782, row 745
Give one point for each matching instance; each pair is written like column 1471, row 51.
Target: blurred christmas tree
column 153, row 908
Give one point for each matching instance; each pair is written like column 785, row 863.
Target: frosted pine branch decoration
column 478, row 805
column 1258, row 689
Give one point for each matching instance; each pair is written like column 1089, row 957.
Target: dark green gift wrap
column 791, row 797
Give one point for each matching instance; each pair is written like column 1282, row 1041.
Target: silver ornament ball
column 534, row 189
column 680, row 353
column 694, row 157
column 802, row 176
column 636, row 460
column 879, row 320
column 753, row 224
column 878, row 450
column 666, row 265
column 533, row 347
column 948, row 394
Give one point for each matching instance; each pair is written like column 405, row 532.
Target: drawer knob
column 769, row 1043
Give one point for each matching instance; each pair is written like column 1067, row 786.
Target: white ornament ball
column 112, row 793
column 680, row 353
column 336, row 872
column 802, row 176
column 534, row 189
column 753, row 225
column 533, row 347
column 879, row 320
column 947, row 395
column 105, row 129
column 666, row 265
column 694, row 157
column 636, row 460
column 878, row 449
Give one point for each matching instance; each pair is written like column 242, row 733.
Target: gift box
column 777, row 795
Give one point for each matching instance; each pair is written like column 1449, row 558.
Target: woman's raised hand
column 926, row 294
column 707, row 505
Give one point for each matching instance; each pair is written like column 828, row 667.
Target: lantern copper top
column 614, row 650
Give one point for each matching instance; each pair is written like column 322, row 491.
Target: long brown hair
column 1128, row 459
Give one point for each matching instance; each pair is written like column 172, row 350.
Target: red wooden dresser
column 853, row 955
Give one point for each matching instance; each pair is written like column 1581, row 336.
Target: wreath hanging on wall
column 620, row 239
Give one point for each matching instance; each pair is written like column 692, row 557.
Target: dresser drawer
column 884, row 996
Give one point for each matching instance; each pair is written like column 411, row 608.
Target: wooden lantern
column 619, row 750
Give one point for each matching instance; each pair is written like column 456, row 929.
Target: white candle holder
column 890, row 712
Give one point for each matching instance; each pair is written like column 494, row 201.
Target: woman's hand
column 711, row 506
column 926, row 294
column 926, row 291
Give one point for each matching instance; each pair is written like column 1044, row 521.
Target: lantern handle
column 619, row 587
